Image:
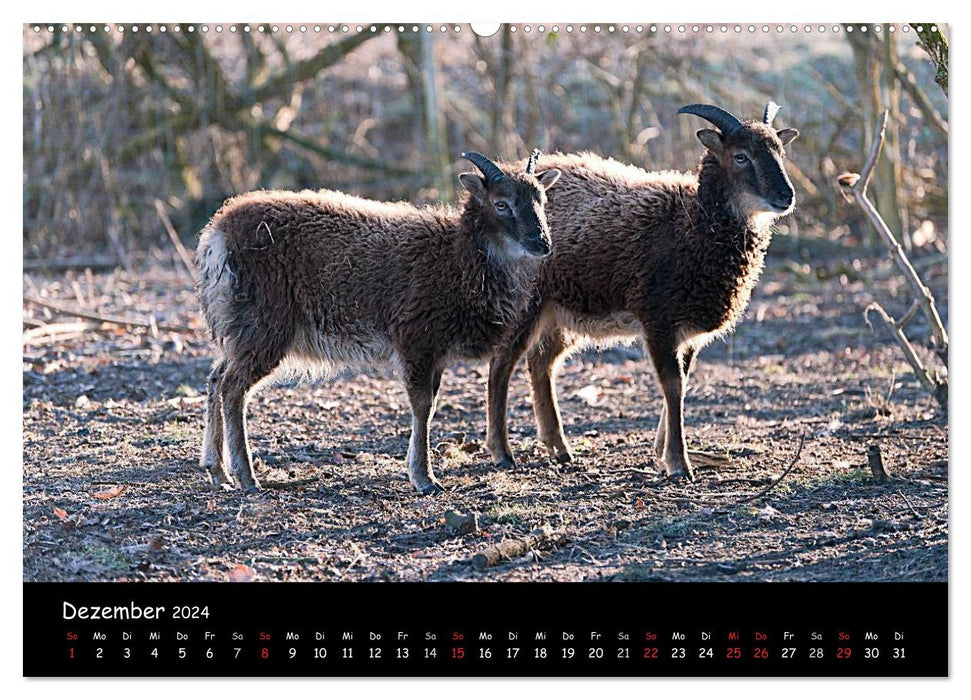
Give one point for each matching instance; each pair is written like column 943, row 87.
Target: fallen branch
column 54, row 332
column 115, row 320
column 510, row 549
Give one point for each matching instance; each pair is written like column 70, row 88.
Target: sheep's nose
column 538, row 247
column 783, row 198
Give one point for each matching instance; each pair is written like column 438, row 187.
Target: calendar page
column 515, row 349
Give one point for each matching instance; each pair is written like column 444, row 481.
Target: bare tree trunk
column 867, row 60
column 434, row 121
column 890, row 170
column 502, row 115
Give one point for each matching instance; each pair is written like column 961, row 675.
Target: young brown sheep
column 670, row 257
column 306, row 283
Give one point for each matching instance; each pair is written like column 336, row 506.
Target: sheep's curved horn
column 531, row 163
column 488, row 168
column 771, row 110
column 726, row 121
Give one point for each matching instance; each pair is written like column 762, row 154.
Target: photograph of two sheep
column 603, row 302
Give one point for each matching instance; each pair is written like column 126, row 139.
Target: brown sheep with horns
column 668, row 257
column 307, row 283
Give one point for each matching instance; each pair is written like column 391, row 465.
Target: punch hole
column 485, row 29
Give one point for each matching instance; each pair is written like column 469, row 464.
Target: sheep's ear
column 474, row 184
column 787, row 136
column 548, row 179
column 712, row 140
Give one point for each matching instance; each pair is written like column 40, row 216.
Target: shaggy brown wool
column 666, row 256
column 312, row 282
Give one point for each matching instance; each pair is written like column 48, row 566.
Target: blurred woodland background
column 130, row 136
column 132, row 140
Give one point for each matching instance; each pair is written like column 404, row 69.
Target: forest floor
column 113, row 417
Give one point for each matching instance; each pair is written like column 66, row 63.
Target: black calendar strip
column 484, row 629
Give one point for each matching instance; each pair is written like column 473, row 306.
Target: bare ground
column 113, row 424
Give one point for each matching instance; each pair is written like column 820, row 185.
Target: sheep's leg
column 543, row 359
column 660, row 435
column 213, row 441
column 238, row 380
column 436, row 385
column 497, row 398
column 422, row 388
column 671, row 376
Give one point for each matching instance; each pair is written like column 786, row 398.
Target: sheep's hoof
column 432, row 488
column 250, row 484
column 507, row 462
column 219, row 478
column 680, row 477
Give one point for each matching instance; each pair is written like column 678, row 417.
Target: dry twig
column 855, row 185
column 176, row 241
column 795, row 458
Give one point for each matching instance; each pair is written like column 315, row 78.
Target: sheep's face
column 753, row 156
column 513, row 207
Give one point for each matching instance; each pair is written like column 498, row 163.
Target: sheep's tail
column 216, row 281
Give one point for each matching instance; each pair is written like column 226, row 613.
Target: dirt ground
column 113, row 424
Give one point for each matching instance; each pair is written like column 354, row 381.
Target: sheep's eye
column 502, row 207
column 741, row 158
